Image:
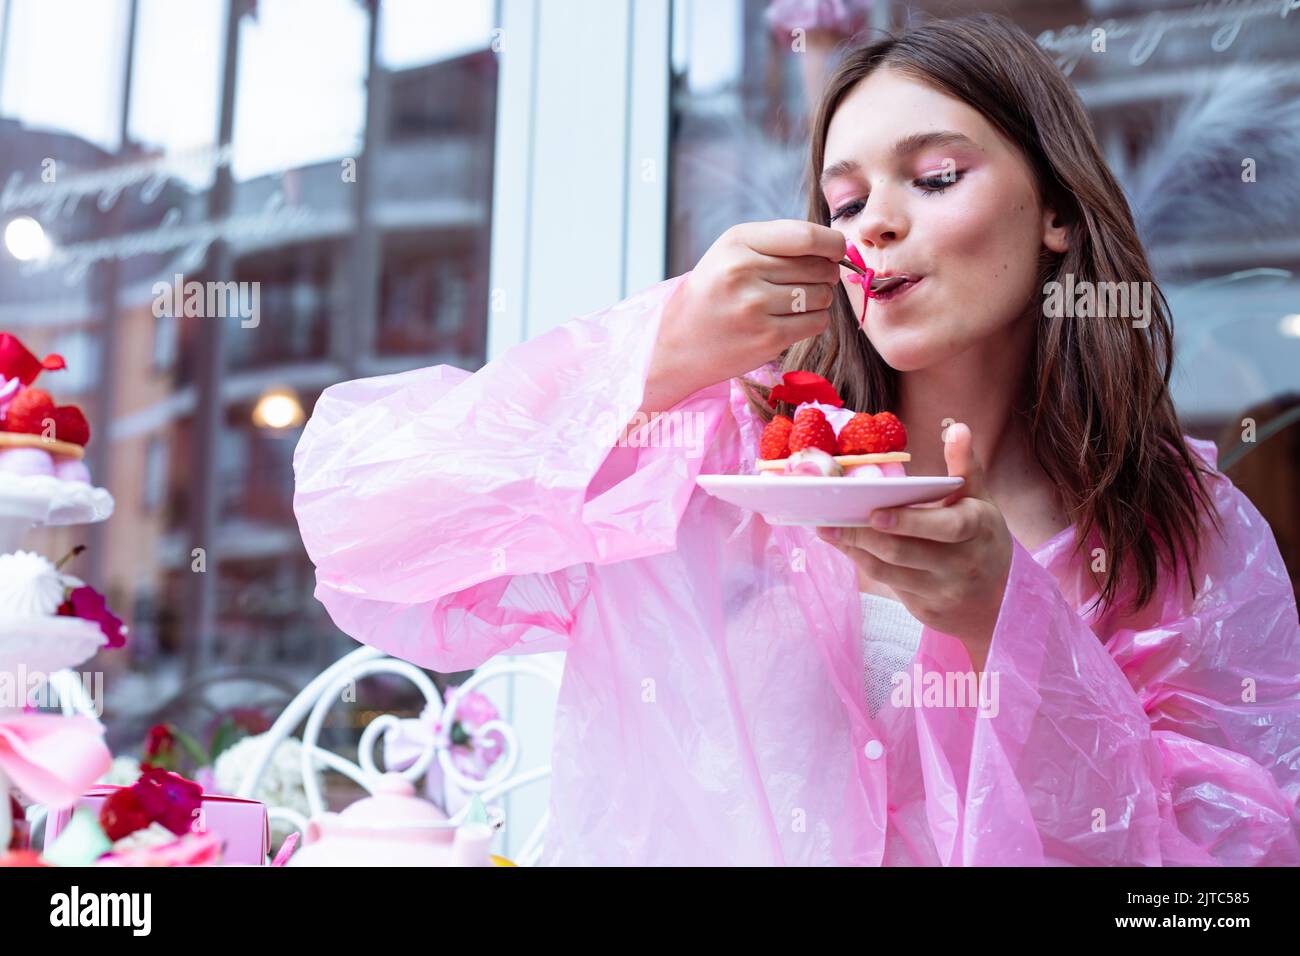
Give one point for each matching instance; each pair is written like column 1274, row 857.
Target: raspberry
column 893, row 430
column 774, row 443
column 70, row 425
column 865, row 434
column 27, row 413
column 812, row 430
column 861, row 435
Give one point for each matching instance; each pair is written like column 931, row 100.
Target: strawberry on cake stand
column 49, row 620
column 43, row 477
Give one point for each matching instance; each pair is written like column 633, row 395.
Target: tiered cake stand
column 42, row 646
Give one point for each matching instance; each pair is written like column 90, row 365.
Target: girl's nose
column 879, row 225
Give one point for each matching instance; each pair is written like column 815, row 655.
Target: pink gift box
column 242, row 825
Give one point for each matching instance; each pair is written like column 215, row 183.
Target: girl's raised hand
column 761, row 287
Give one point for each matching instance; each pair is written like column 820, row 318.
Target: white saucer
column 30, row 500
column 812, row 500
column 47, row 644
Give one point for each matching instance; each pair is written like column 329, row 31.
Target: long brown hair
column 1095, row 402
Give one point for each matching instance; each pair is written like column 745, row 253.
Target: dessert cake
column 825, row 439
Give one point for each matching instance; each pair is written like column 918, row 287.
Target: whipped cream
column 838, row 417
column 30, row 586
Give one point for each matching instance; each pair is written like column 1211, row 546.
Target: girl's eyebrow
column 904, row 147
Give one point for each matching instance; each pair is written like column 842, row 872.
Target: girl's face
column 925, row 187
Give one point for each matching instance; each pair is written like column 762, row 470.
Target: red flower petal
column 158, row 740
column 89, row 605
column 863, row 280
column 866, row 293
column 855, row 257
column 121, row 814
column 169, row 799
column 799, row 386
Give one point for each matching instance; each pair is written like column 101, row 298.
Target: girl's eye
column 851, row 209
column 930, row 185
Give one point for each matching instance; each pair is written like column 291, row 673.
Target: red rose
column 169, row 799
column 122, row 814
column 89, row 605
column 159, row 796
column 159, row 741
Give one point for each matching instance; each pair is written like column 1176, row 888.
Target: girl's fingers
column 910, row 580
column 798, row 270
column 959, row 454
column 798, row 298
column 794, row 237
column 895, row 549
column 951, row 525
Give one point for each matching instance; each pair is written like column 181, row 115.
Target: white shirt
column 890, row 639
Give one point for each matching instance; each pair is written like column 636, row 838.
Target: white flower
column 30, row 586
column 123, row 772
column 838, row 417
column 281, row 783
column 155, row 834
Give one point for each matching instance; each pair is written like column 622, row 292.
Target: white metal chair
column 314, row 702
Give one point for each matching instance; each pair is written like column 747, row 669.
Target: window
column 358, row 210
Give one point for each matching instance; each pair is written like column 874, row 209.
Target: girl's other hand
column 948, row 565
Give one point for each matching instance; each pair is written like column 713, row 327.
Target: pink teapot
column 393, row 827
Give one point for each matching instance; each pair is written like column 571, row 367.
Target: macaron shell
column 26, row 461
column 889, row 469
column 49, row 445
column 72, row 469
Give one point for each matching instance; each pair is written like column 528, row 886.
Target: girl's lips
column 896, row 293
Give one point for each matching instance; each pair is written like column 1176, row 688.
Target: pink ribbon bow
column 52, row 759
column 410, row 737
column 405, row 741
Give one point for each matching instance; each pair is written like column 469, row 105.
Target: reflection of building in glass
column 67, row 310
column 365, row 265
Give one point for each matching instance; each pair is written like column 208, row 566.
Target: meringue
column 813, row 461
column 30, row 586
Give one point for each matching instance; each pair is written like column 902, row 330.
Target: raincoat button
column 874, row 749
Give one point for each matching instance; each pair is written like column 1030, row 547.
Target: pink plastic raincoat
column 713, row 707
